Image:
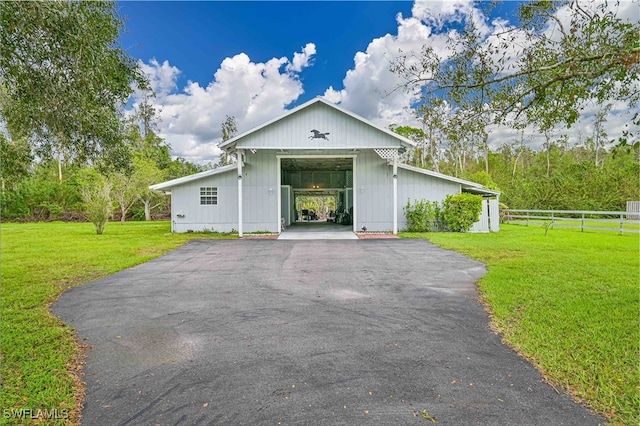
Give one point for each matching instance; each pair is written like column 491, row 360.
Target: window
column 208, row 195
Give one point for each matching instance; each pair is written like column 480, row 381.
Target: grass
column 40, row 358
column 596, row 224
column 569, row 302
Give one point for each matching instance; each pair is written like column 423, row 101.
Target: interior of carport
column 317, row 193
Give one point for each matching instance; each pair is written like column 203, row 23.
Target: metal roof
column 171, row 183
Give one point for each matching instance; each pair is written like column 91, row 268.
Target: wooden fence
column 619, row 221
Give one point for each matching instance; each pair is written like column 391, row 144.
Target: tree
column 15, row 160
column 125, row 191
column 460, row 137
column 434, row 116
column 229, row 130
column 146, row 113
column 560, row 56
column 415, row 135
column 96, row 194
column 147, row 173
column 599, row 139
column 63, row 76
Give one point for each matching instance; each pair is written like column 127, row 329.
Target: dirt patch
column 260, row 237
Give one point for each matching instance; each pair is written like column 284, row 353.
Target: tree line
column 53, row 188
column 65, row 81
column 557, row 176
column 538, row 72
column 68, row 148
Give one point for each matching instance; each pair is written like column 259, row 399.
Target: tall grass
column 569, row 301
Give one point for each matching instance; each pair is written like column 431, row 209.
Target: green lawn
column 39, row 261
column 568, row 301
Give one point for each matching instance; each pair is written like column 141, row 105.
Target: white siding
column 260, row 192
column 293, row 132
column 185, row 201
column 260, row 199
column 482, row 224
column 373, row 192
column 413, row 186
column 286, row 200
column 494, row 215
column 373, row 196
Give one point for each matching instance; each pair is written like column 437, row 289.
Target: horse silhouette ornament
column 318, row 135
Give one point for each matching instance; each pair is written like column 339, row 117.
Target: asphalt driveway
column 302, row 332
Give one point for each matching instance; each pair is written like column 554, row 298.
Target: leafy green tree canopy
column 543, row 70
column 63, row 75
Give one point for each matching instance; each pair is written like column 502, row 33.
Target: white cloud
column 302, row 59
column 436, row 14
column 162, row 77
column 254, row 92
column 370, row 88
column 251, row 92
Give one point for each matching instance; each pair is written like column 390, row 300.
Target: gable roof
column 171, row 183
column 407, row 143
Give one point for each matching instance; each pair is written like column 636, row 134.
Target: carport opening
column 317, row 191
column 313, row 207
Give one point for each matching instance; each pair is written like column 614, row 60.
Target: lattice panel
column 387, row 153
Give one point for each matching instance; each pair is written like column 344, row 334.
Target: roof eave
column 481, row 191
column 407, row 143
column 190, row 178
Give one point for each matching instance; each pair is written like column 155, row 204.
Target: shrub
column 96, row 194
column 460, row 211
column 422, row 215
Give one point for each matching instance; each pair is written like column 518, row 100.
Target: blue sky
column 197, row 36
column 256, row 59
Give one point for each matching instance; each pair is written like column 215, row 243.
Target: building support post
column 395, row 195
column 239, row 156
column 279, row 195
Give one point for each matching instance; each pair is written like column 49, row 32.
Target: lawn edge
column 75, row 368
column 494, row 326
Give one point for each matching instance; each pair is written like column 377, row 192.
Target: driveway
column 302, row 332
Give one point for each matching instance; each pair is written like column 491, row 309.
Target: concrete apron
column 317, row 230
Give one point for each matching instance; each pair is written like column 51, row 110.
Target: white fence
column 633, row 210
column 620, row 221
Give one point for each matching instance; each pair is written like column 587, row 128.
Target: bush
column 460, row 211
column 96, row 194
column 422, row 215
column 98, row 205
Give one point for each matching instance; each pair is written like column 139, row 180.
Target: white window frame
column 210, row 194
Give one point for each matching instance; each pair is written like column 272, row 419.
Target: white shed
column 317, row 149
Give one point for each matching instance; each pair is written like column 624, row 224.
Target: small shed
column 315, row 149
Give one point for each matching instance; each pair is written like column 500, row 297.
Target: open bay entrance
column 316, row 197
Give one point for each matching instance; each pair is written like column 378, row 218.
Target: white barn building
column 317, row 148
